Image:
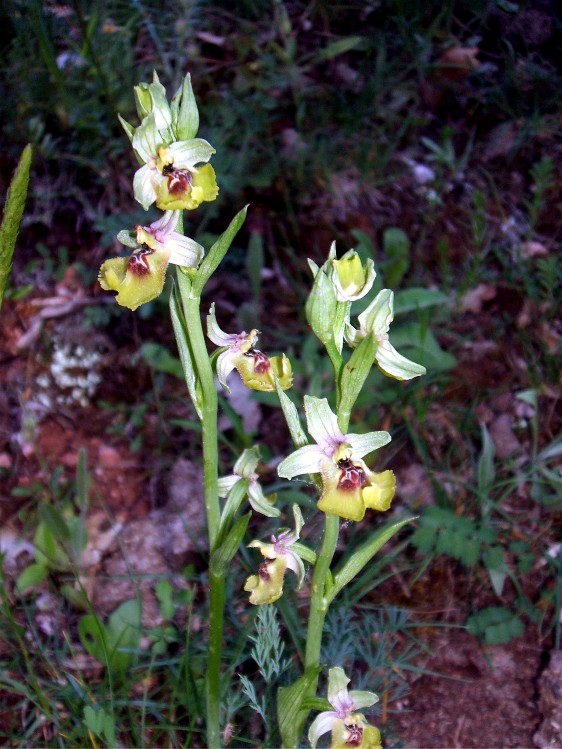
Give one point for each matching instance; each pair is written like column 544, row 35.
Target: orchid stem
column 192, row 311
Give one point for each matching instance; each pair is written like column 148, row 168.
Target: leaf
column 31, row 576
column 414, row 299
column 289, row 705
column 254, row 263
column 182, row 339
column 47, row 550
column 13, row 212
column 160, row 359
column 496, row 624
column 82, row 480
column 215, row 255
column 397, row 251
column 486, row 473
column 362, row 556
column 221, row 557
column 55, row 522
column 291, row 414
column 355, row 373
column 235, row 498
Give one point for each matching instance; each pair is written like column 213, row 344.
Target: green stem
column 192, row 310
column 318, row 600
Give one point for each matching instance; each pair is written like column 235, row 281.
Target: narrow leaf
column 486, row 471
column 289, row 705
column 291, row 414
column 221, row 557
column 182, row 339
column 355, row 372
column 352, row 566
column 13, row 212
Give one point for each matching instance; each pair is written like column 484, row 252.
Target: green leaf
column 13, row 212
column 486, row 473
column 82, row 480
column 160, row 359
column 289, row 705
column 164, row 590
column 362, row 556
column 355, row 372
column 94, row 638
column 184, row 111
column 221, row 557
column 47, row 551
column 182, row 339
column 55, row 522
column 212, row 260
column 254, row 263
column 397, row 251
column 495, row 624
column 31, row 576
column 123, row 634
column 339, row 47
column 414, row 299
column 321, row 307
column 234, row 500
column 291, row 414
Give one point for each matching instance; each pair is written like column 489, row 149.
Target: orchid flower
column 375, row 320
column 349, row 487
column 267, row 585
column 349, row 728
column 140, row 277
column 351, row 280
column 258, row 372
column 245, row 468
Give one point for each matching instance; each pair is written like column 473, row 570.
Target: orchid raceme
column 375, row 320
column 267, row 585
column 140, row 278
column 349, row 728
column 245, row 468
column 258, row 372
column 348, row 486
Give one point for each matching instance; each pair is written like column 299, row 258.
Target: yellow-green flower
column 349, row 728
column 140, row 278
column 351, row 279
column 348, row 486
column 169, row 174
column 258, row 371
column 267, row 585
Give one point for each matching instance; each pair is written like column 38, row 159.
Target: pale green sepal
column 321, row 307
column 355, row 373
column 395, row 365
column 182, row 339
column 299, row 520
column 185, row 115
column 262, row 504
column 363, row 444
column 360, row 558
column 235, row 498
column 362, row 698
column 378, row 315
column 337, row 683
column 290, row 717
column 223, row 555
column 321, row 421
column 247, row 463
column 306, row 459
column 290, row 412
column 304, row 552
column 219, row 249
column 13, row 212
column 127, row 127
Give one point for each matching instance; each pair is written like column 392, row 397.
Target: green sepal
column 291, row 715
column 223, row 555
column 290, row 412
column 234, row 500
column 212, row 260
column 360, row 558
column 321, row 307
column 184, row 349
column 185, row 115
column 355, row 372
column 31, row 576
column 13, row 212
column 304, row 552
